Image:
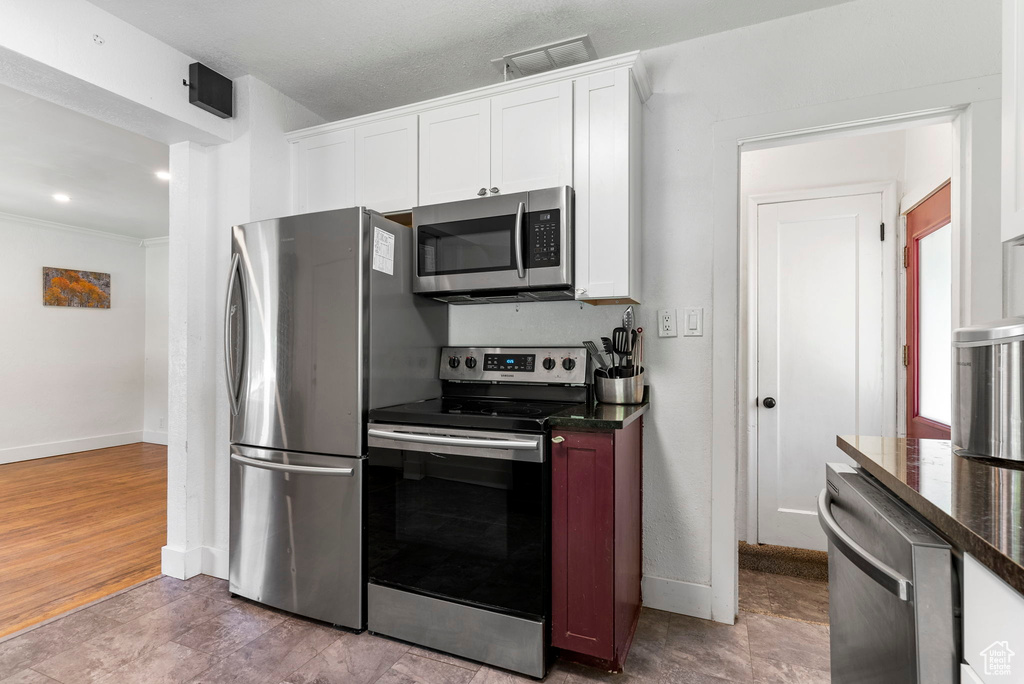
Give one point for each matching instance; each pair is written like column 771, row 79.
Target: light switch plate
column 667, row 323
column 693, row 321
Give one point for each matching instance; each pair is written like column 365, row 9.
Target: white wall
column 72, row 378
column 929, row 162
column 154, row 423
column 831, row 55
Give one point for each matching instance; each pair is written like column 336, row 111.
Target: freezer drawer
column 891, row 587
column 296, row 527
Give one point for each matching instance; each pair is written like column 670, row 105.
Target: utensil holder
column 620, row 390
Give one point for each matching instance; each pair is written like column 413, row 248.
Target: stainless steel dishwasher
column 893, row 596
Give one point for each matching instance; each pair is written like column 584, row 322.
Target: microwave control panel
column 544, row 244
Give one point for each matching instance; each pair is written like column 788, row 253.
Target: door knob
column 768, row 403
column 557, row 440
column 494, row 191
column 482, row 192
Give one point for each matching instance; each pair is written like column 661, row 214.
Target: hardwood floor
column 79, row 527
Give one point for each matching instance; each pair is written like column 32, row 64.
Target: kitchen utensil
column 639, row 360
column 627, row 318
column 596, row 355
column 621, row 343
column 610, row 351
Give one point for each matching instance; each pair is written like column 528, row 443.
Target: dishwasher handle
column 883, row 575
column 297, row 469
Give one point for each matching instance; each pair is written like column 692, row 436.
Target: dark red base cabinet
column 596, row 539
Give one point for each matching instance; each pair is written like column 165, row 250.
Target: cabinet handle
column 494, row 191
column 557, row 440
column 482, row 192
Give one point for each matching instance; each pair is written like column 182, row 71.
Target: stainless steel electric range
column 458, row 506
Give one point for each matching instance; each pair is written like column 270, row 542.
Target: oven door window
column 476, row 246
column 460, row 528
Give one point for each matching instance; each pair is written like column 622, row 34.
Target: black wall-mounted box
column 210, row 90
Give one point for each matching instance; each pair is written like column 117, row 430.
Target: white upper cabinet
column 512, row 142
column 607, row 171
column 385, row 164
column 324, row 171
column 579, row 126
column 455, row 157
column 1013, row 119
column 531, row 138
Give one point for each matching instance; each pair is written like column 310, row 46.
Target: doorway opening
column 83, row 463
column 824, row 298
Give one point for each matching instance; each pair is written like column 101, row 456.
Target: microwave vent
column 563, row 53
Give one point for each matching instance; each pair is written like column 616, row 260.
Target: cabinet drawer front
column 993, row 625
column 582, row 543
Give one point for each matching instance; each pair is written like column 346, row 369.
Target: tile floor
column 783, row 596
column 168, row 631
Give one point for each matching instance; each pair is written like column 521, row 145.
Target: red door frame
column 923, row 220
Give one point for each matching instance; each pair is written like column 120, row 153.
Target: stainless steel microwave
column 516, row 247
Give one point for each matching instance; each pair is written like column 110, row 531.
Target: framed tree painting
column 80, row 289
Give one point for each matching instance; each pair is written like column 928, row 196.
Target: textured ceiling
column 342, row 58
column 108, row 172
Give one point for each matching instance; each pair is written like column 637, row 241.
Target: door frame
column 957, row 101
column 748, row 315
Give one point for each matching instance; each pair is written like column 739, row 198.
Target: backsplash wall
column 533, row 323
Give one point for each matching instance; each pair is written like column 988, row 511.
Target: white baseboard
column 71, row 446
column 179, row 563
column 674, row 596
column 215, row 562
column 154, row 437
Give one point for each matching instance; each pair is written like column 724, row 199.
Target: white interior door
column 819, row 351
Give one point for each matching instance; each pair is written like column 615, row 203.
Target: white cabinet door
column 607, row 182
column 993, row 625
column 455, row 159
column 1013, row 119
column 531, row 138
column 324, row 172
column 385, row 166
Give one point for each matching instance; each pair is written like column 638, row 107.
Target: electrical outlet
column 667, row 323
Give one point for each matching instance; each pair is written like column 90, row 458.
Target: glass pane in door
column 935, row 319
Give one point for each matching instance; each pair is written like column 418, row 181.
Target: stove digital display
column 520, row 363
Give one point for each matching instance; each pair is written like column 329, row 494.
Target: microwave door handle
column 520, row 269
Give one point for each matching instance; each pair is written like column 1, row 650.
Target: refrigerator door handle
column 881, row 573
column 233, row 383
column 285, row 468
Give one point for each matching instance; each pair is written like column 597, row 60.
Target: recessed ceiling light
column 163, row 175
column 61, row 197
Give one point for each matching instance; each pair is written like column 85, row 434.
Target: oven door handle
column 453, row 441
column 520, row 268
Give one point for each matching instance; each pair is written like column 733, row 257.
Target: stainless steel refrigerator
column 321, row 325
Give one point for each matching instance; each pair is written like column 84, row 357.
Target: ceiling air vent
column 562, row 53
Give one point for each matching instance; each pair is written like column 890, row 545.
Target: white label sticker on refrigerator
column 383, row 251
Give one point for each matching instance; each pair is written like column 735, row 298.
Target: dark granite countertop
column 598, row 416
column 978, row 507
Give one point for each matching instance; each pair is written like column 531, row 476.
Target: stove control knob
column 453, row 361
column 470, row 362
column 568, row 364
column 549, row 363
